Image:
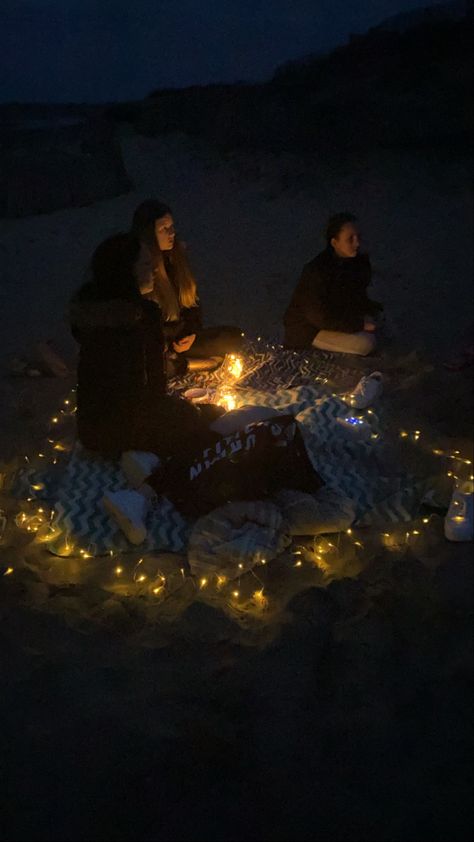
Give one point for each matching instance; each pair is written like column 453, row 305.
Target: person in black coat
column 175, row 291
column 122, row 403
column 330, row 308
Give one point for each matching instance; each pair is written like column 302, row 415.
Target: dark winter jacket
column 331, row 295
column 121, row 376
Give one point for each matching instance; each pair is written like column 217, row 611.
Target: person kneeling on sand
column 330, row 308
column 122, row 403
column 174, row 289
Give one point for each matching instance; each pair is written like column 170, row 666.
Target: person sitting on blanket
column 330, row 309
column 175, row 291
column 123, row 408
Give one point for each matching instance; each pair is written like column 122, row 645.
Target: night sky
column 109, row 50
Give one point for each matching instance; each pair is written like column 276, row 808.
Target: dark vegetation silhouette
column 382, row 89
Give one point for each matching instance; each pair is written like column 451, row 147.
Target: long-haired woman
column 175, row 291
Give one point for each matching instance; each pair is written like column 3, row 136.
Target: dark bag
column 250, row 464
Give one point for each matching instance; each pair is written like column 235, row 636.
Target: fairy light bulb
column 259, row 598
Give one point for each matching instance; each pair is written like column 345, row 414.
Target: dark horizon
column 67, row 52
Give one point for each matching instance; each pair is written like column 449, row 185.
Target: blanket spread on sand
column 352, row 465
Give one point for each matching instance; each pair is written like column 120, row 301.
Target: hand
column 369, row 325
column 184, row 344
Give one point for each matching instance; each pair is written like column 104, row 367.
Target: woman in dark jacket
column 176, row 292
column 330, row 308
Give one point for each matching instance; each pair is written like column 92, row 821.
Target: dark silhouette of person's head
column 113, row 267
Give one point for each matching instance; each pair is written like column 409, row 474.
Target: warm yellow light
column 202, row 582
column 118, row 571
column 298, row 564
column 426, row 520
column 227, row 401
column 235, row 366
column 260, row 599
column 8, row 571
column 221, row 581
column 235, row 594
column 55, row 419
column 141, row 578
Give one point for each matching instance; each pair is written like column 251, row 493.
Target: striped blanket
column 304, row 384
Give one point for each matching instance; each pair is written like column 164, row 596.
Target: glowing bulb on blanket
column 227, row 401
column 259, row 598
column 235, row 366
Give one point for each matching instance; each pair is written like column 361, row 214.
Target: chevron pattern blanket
column 348, row 463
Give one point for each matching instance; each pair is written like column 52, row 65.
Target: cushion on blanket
column 232, row 539
column 314, row 514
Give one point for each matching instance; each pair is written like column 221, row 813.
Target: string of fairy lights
column 314, row 553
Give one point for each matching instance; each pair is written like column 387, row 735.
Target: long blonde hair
column 170, row 293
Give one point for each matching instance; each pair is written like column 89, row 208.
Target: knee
column 364, row 343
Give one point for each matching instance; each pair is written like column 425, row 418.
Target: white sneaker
column 137, row 466
column 459, row 521
column 129, row 509
column 367, row 390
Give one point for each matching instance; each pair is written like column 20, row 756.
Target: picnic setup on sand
column 366, row 495
column 191, row 460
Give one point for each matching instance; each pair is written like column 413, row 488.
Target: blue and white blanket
column 349, row 464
